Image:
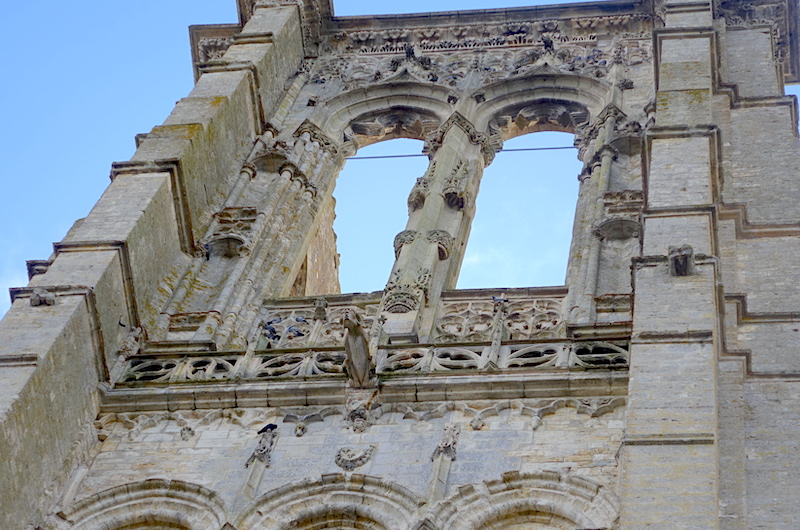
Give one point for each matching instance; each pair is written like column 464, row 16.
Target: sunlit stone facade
column 186, row 360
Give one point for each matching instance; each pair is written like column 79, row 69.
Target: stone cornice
column 394, row 390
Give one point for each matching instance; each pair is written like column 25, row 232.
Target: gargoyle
column 356, row 344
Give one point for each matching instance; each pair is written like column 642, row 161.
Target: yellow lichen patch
column 187, row 130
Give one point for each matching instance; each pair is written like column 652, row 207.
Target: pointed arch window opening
column 523, row 228
column 525, row 212
column 371, row 209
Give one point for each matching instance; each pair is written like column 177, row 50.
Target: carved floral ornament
column 404, row 296
column 489, row 144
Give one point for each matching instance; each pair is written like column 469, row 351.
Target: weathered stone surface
column 186, row 359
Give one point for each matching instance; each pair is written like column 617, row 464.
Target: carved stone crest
column 349, row 458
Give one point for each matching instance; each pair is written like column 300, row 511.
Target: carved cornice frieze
column 485, row 35
column 455, row 67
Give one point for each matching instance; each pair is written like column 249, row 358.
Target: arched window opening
column 371, row 209
column 522, row 229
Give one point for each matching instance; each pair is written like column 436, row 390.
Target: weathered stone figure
column 265, row 444
column 356, row 344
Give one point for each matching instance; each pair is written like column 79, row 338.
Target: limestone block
column 138, row 211
column 281, row 59
column 774, row 347
column 685, row 63
column 764, row 163
column 101, row 270
column 674, row 304
column 771, row 430
column 664, row 232
column 679, row 172
column 669, row 486
column 766, row 272
column 672, row 389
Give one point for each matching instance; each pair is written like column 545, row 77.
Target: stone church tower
column 185, row 359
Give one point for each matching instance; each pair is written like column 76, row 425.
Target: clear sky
column 80, row 79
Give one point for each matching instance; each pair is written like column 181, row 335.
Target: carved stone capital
column 403, row 238
column 435, row 140
column 350, row 458
column 443, row 240
column 404, row 295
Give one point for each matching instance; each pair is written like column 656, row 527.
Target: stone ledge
column 670, row 439
column 332, row 392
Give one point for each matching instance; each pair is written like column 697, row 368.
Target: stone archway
column 149, row 504
column 335, row 501
column 544, row 499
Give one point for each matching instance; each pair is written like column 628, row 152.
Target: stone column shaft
column 430, row 250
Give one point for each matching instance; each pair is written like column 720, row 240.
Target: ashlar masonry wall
column 214, row 451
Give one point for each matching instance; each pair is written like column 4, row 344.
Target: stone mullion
column 207, row 330
column 290, row 253
column 184, row 287
column 456, row 221
column 230, row 286
column 246, row 175
column 217, row 310
column 428, row 261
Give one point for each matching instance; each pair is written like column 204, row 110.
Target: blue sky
column 80, row 79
